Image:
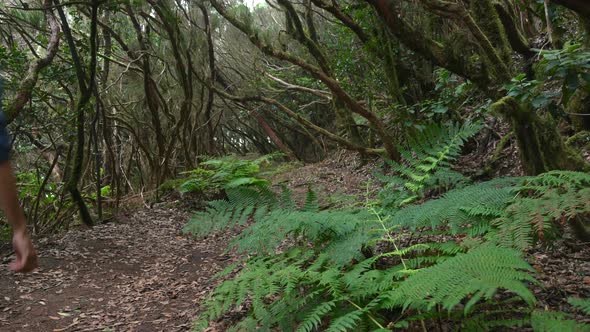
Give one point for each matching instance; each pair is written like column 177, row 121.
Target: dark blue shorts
column 4, row 140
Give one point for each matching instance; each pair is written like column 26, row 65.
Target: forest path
column 138, row 273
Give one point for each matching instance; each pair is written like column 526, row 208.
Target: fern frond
column 427, row 159
column 311, row 202
column 426, row 163
column 485, row 323
column 314, row 319
column 556, row 179
column 343, row 233
column 346, row 322
column 477, row 274
column 286, row 201
column 364, row 282
column 581, row 304
column 544, row 321
column 543, row 205
column 459, row 209
column 241, row 204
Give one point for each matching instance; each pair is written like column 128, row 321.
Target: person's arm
column 26, row 258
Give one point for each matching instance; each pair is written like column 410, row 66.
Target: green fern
column 517, row 211
column 314, row 319
column 430, row 254
column 556, row 179
column 492, row 320
column 475, row 275
column 543, row 205
column 310, row 270
column 342, row 234
column 540, row 321
column 311, row 202
column 581, row 304
column 286, row 201
column 282, row 292
column 348, row 322
column 366, row 282
column 461, row 210
column 241, row 204
column 260, row 279
column 226, row 173
column 544, row 321
column 427, row 160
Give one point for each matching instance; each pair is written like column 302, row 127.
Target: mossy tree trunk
column 76, row 162
column 345, row 123
column 541, row 146
column 578, row 109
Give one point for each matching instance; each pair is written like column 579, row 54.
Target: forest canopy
column 143, row 89
column 108, row 99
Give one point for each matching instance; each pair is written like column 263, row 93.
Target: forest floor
column 140, row 273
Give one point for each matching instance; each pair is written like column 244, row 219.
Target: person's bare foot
column 26, row 257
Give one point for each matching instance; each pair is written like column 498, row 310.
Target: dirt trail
column 138, row 273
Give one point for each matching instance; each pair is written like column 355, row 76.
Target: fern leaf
column 427, row 161
column 347, row 322
column 543, row 321
column 460, row 208
column 241, row 204
column 311, row 202
column 314, row 319
column 478, row 273
column 543, row 205
column 582, row 304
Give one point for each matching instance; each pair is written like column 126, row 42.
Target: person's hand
column 26, row 257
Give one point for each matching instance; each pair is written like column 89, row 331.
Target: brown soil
column 338, row 181
column 136, row 274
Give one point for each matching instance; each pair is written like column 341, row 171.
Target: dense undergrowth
column 432, row 251
column 115, row 103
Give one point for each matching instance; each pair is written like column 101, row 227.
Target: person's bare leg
column 26, row 258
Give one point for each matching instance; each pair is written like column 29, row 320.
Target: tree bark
column 541, row 146
column 85, row 94
column 27, row 85
column 273, row 136
column 211, row 150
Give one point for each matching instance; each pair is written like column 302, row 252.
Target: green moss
column 585, row 26
column 489, row 22
column 581, row 138
column 579, row 104
column 541, row 146
column 346, row 124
